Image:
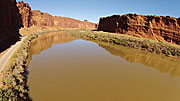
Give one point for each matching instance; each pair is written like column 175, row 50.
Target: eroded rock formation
column 25, row 11
column 38, row 18
column 10, row 22
column 152, row 27
column 45, row 19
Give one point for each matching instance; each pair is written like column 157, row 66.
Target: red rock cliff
column 10, row 22
column 36, row 17
column 45, row 19
column 25, row 11
column 152, row 27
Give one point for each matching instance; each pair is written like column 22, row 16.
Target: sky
column 92, row 10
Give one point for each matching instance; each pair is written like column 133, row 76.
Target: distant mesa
column 158, row 28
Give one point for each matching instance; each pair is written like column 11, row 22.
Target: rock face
column 25, row 11
column 36, row 17
column 158, row 28
column 45, row 19
column 10, row 22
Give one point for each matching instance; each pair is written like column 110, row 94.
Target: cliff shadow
column 7, row 44
column 10, row 23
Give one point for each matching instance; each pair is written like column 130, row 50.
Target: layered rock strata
column 45, row 19
column 158, row 28
column 38, row 18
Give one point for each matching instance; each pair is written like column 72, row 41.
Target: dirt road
column 4, row 59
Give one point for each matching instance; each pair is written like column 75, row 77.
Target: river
column 64, row 68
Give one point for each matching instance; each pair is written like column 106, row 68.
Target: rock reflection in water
column 81, row 70
column 46, row 41
column 161, row 63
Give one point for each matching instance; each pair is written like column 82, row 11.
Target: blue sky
column 92, row 10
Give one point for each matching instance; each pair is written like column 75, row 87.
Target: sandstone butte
column 38, row 18
column 158, row 28
column 10, row 22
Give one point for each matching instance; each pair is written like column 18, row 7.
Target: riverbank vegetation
column 163, row 48
column 14, row 74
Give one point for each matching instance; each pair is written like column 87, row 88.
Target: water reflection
column 82, row 71
column 46, row 41
column 162, row 63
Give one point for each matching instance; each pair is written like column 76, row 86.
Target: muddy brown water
column 64, row 68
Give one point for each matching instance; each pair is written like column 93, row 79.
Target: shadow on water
column 162, row 63
column 24, row 85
